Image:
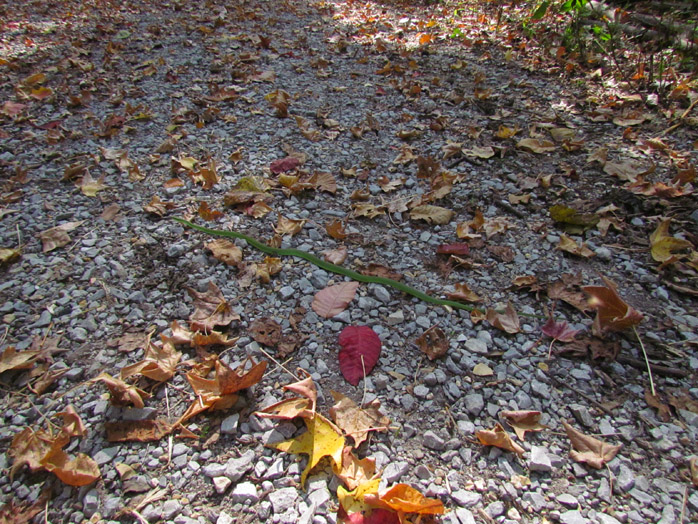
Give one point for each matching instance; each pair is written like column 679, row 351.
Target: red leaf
column 559, row 330
column 458, row 248
column 332, row 300
column 284, row 164
column 377, row 516
column 358, row 342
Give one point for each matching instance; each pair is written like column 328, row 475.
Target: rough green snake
column 328, row 266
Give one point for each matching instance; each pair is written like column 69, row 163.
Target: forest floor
column 405, row 141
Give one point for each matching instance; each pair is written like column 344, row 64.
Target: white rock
column 539, row 460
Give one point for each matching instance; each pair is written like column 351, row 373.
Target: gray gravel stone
column 567, row 500
column 283, row 499
column 224, row 518
column 476, row 345
column 432, row 441
column 221, row 484
column 539, row 461
column 395, row 470
column 573, row 517
column 625, row 479
column 602, row 518
column 237, row 467
column 536, row 500
column 466, row 498
column 495, row 509
column 245, row 491
column 229, row 425
column 581, row 413
column 171, row 508
column 90, row 504
column 474, row 403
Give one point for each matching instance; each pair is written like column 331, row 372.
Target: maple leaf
column 322, row 439
column 590, row 450
column 28, row 448
column 225, row 251
column 361, row 348
column 355, row 421
column 405, row 499
column 211, row 309
column 334, row 299
column 662, row 244
column 535, row 145
column 523, row 421
column 498, row 437
column 89, row 186
column 291, row 408
column 612, row 313
column 507, row 321
column 159, row 363
column 158, row 207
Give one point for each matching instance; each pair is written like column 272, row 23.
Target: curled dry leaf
column 322, row 439
column 498, row 437
column 336, row 256
column 159, row 363
column 56, row 237
column 288, row 226
column 523, row 421
column 137, row 430
column 80, row 471
column 507, row 321
column 334, row 299
column 590, row 450
column 208, row 214
column 433, row 342
column 662, row 245
column 361, row 348
column 559, row 330
column 336, row 230
column 12, row 359
column 405, row 499
column 663, row 410
column 463, row 293
column 211, row 309
column 612, row 313
column 535, row 145
column 158, row 207
column 355, row 421
column 354, row 471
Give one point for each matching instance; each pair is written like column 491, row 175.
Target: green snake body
column 328, row 266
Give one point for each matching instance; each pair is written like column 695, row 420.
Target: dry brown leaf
column 612, row 313
column 355, row 472
column 535, row 145
column 211, row 309
column 498, row 437
column 663, row 410
column 336, row 256
column 570, row 246
column 662, row 244
column 559, row 290
column 159, row 363
column 80, row 471
column 433, row 342
column 56, row 237
column 137, row 430
column 334, row 299
column 336, row 230
column 89, row 186
column 463, row 293
column 110, row 212
column 158, row 207
column 288, row 226
column 28, row 448
column 12, row 359
column 693, row 467
column 523, row 421
column 507, row 321
column 357, row 422
column 266, row 331
column 432, row 214
column 589, row 450
column 122, row 394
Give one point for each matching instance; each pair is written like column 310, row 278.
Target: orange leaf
column 406, row 499
column 354, row 471
column 498, row 437
column 80, row 471
column 357, row 421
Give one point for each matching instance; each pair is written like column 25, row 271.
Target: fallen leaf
column 662, row 245
column 589, row 450
column 56, row 237
column 159, row 363
column 110, row 212
column 13, row 359
column 432, row 214
column 523, row 421
column 355, row 472
column 137, row 430
column 535, row 145
column 479, row 152
column 321, row 440
column 463, row 293
column 572, row 220
column 612, row 313
column 559, row 330
column 11, row 513
column 158, row 207
column 336, row 230
column 498, row 437
column 405, row 499
column 80, row 471
column 334, row 299
column 433, row 342
column 266, row 331
column 211, row 309
column 457, row 248
column 288, row 226
column 354, row 501
column 663, row 411
column 503, row 253
column 225, row 251
column 122, row 394
column 89, row 186
column 495, row 226
column 336, row 256
column 28, row 448
column 355, row 421
column 209, row 214
column 507, row 321
column 361, row 348
column 628, row 171
column 482, row 370
column 570, row 246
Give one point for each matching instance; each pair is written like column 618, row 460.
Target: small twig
column 649, row 368
column 610, row 480
column 683, row 505
column 363, row 367
column 278, row 364
column 659, row 370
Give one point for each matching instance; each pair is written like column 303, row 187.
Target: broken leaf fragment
column 405, row 499
column 56, row 237
column 590, row 450
column 122, row 394
column 523, row 421
column 433, row 342
column 225, row 251
column 663, row 245
column 498, row 437
column 211, row 309
column 159, row 362
column 568, row 245
column 12, row 359
column 432, row 214
column 79, row 471
column 321, row 440
column 354, row 471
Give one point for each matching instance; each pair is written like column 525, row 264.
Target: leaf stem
column 644, row 353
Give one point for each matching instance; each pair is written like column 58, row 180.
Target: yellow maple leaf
column 322, row 439
column 353, row 501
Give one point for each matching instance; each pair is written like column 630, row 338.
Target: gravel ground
column 138, row 87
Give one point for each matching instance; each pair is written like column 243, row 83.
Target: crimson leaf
column 358, row 343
